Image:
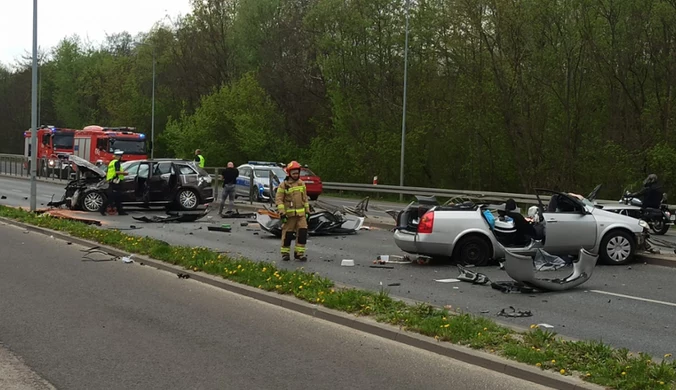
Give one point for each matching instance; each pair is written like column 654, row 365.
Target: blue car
column 263, row 173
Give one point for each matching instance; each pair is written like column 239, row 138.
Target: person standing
column 199, row 159
column 114, row 176
column 229, row 176
column 294, row 211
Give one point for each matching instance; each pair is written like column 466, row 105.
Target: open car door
column 570, row 226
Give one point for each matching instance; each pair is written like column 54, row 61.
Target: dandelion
column 538, row 364
column 667, row 355
column 445, row 326
column 553, row 361
column 562, row 371
column 624, row 373
column 533, row 326
column 485, row 329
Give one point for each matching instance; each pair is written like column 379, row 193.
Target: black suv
column 149, row 182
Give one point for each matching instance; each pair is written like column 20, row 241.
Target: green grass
column 593, row 361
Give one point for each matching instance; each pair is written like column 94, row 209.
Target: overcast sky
column 91, row 19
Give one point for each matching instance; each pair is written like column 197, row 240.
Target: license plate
column 673, row 217
column 309, row 182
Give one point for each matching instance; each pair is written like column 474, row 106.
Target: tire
column 474, row 250
column 92, row 201
column 187, row 199
column 314, row 197
column 617, row 248
column 660, row 228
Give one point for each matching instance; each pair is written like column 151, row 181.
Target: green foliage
column 593, row 361
column 235, row 123
column 502, row 96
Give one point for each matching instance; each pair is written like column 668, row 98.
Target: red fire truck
column 97, row 144
column 53, row 147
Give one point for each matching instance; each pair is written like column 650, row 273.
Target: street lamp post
column 34, row 111
column 403, row 114
column 152, row 120
column 152, row 114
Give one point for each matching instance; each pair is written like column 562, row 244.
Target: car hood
column 609, row 217
column 85, row 166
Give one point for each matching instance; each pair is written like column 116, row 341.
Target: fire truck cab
column 53, row 146
column 97, row 144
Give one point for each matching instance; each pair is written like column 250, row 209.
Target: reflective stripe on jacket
column 201, row 163
column 291, row 198
column 110, row 175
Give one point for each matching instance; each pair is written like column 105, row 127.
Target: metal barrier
column 18, row 165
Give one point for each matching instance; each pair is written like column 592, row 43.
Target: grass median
column 593, row 361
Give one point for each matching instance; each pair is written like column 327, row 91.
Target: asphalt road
column 104, row 325
column 641, row 318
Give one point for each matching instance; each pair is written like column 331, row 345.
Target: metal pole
column 403, row 115
column 34, row 110
column 152, row 120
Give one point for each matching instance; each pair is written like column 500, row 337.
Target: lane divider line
column 635, row 298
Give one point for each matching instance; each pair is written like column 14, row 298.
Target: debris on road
column 175, row 216
column 127, row 259
column 470, row 276
column 381, row 266
column 223, row 228
column 237, row 214
column 446, row 280
column 91, row 251
column 183, row 276
column 320, row 223
column 513, row 287
column 515, row 313
column 347, row 263
column 69, row 215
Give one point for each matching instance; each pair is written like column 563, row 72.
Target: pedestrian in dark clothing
column 229, row 176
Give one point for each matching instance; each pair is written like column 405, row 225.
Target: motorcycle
column 660, row 220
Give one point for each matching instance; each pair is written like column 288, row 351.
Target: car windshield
column 265, row 173
column 63, row 140
column 125, row 165
column 307, row 172
column 128, row 146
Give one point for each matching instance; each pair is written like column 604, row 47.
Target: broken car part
column 320, row 223
column 515, row 313
column 521, row 269
column 175, row 216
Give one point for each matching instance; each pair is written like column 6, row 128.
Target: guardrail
column 18, row 165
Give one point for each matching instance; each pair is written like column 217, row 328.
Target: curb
column 367, row 325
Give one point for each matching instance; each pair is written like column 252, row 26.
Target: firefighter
column 294, row 211
column 199, row 159
column 114, row 176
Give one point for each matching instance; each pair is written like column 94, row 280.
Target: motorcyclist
column 651, row 193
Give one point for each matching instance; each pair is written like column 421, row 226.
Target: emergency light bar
column 264, row 163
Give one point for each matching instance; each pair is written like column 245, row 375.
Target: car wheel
column 314, row 197
column 187, row 199
column 660, row 227
column 617, row 247
column 93, row 201
column 473, row 250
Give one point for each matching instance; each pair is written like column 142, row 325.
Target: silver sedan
column 472, row 234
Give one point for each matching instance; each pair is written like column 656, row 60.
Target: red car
column 313, row 183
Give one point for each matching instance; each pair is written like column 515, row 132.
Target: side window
column 143, row 170
column 101, row 144
column 132, row 169
column 46, row 139
column 162, row 168
column 186, row 170
column 245, row 172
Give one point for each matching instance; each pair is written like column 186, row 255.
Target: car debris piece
column 543, row 261
column 381, row 266
column 515, row 313
column 320, row 223
column 183, row 276
column 513, row 287
column 521, row 269
column 470, row 276
column 175, row 216
column 347, row 263
column 446, row 280
column 219, row 229
column 237, row 214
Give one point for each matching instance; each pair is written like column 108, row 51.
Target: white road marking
column 636, row 298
